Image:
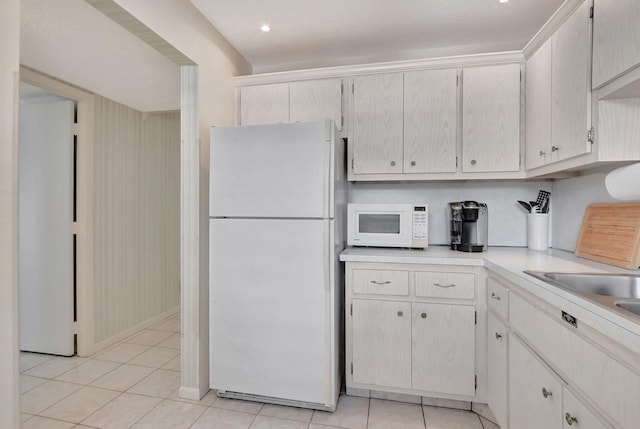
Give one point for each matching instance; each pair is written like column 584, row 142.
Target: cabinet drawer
column 497, row 297
column 381, row 282
column 608, row 383
column 577, row 415
column 444, row 285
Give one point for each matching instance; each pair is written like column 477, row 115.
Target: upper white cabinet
column 538, row 107
column 558, row 94
column 616, row 39
column 316, row 100
column 304, row 101
column 491, row 119
column 571, row 92
column 430, row 119
column 377, row 124
column 264, row 104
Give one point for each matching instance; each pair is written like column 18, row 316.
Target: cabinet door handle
column 546, row 393
column 554, row 148
column 393, row 163
column 542, row 153
column 441, row 285
column 570, row 419
column 381, row 283
column 494, row 296
column 423, row 315
column 498, row 336
column 413, row 163
column 473, row 162
column 400, row 313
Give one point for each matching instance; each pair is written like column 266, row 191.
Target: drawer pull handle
column 570, row 419
column 423, row 315
column 546, row 393
column 498, row 336
column 400, row 313
column 441, row 285
column 494, row 296
column 381, row 283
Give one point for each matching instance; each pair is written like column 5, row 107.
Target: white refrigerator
column 278, row 199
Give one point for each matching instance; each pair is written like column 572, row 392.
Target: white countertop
column 510, row 262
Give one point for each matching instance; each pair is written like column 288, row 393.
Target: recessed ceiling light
column 502, row 1
column 266, row 28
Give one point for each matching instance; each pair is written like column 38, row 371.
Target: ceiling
column 321, row 33
column 74, row 42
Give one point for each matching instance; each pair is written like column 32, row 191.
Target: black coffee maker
column 469, row 226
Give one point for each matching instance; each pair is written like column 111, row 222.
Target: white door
column 277, row 171
column 271, row 294
column 45, row 232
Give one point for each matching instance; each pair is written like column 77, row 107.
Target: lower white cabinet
column 402, row 338
column 536, row 394
column 381, row 342
column 443, row 348
column 497, row 368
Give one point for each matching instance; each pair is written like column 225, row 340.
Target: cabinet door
column 316, row 100
column 443, row 348
column 497, row 369
column 264, row 104
column 616, row 38
column 491, row 119
column 570, row 84
column 381, row 335
column 536, row 393
column 377, row 124
column 576, row 415
column 430, row 111
column 538, row 110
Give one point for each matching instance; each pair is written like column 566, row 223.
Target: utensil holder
column 538, row 231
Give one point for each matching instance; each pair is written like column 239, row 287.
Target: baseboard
column 191, row 393
column 102, row 345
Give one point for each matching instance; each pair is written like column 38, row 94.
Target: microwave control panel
column 420, row 225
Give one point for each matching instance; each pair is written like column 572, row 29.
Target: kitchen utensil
column 526, row 206
column 610, row 233
column 545, row 206
column 542, row 196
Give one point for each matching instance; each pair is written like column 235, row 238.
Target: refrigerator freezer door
column 273, row 171
column 272, row 299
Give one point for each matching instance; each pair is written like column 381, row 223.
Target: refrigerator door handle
column 327, row 172
column 328, row 250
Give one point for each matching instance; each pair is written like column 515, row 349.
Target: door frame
column 83, row 228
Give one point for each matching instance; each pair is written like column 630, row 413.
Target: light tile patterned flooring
column 134, row 384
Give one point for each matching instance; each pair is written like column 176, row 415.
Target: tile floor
column 134, row 384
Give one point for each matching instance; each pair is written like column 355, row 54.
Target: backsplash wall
column 507, row 220
column 570, row 198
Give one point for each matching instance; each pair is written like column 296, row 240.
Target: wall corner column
column 194, row 288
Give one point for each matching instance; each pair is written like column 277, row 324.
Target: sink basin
column 615, row 285
column 632, row 306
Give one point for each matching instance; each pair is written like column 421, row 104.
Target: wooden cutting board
column 610, row 233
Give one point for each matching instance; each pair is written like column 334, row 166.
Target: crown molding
column 383, row 67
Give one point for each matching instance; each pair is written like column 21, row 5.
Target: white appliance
column 277, row 226
column 388, row 225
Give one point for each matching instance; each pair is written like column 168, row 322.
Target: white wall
column 137, row 218
column 9, row 66
column 570, row 198
column 507, row 220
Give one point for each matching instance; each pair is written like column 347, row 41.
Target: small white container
column 538, row 231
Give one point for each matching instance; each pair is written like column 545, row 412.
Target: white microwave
column 388, row 225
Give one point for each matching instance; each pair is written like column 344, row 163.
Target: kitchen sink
column 617, row 292
column 632, row 306
column 617, row 285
